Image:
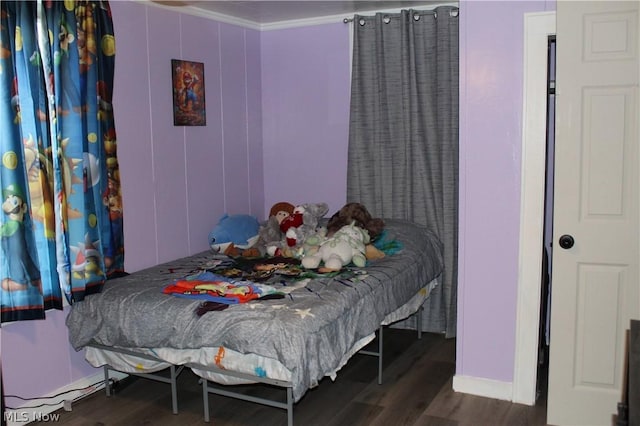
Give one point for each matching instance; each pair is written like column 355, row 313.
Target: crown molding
column 194, row 11
column 280, row 25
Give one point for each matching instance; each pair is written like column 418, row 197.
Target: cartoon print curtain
column 61, row 219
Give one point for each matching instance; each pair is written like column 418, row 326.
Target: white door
column 595, row 282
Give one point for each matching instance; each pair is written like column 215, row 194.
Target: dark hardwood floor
column 416, row 390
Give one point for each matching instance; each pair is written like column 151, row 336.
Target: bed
column 293, row 341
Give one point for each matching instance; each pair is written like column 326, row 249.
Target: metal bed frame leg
column 289, row 406
column 172, row 381
column 380, row 354
column 174, row 389
column 107, row 385
column 205, row 399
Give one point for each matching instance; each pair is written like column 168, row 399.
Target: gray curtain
column 403, row 134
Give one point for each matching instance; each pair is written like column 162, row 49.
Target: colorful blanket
column 215, row 288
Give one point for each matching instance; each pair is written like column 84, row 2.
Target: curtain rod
column 454, row 12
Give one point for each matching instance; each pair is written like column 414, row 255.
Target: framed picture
column 188, row 93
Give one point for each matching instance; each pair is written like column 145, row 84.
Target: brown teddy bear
column 358, row 213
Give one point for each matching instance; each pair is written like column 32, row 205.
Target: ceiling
column 265, row 12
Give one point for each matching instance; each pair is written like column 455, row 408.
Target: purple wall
column 176, row 181
column 278, row 101
column 491, row 79
column 37, row 358
column 305, row 99
column 305, row 96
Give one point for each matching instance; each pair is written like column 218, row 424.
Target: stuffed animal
column 372, row 252
column 303, row 222
column 358, row 213
column 346, row 246
column 313, row 242
column 240, row 230
column 289, row 225
column 269, row 234
column 299, row 222
column 281, row 211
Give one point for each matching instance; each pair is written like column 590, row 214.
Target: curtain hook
column 435, row 15
column 361, row 22
column 416, row 16
column 386, row 19
column 454, row 12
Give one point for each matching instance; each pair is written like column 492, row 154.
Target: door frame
column 537, row 29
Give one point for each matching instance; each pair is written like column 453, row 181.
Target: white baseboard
column 483, row 387
column 28, row 412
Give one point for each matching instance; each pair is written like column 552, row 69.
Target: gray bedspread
column 308, row 331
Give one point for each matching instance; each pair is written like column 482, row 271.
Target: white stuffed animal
column 347, row 245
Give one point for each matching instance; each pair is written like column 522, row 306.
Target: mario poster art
column 188, row 93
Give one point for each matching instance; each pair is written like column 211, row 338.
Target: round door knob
column 566, row 241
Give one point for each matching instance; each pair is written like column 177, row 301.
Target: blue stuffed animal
column 238, row 229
